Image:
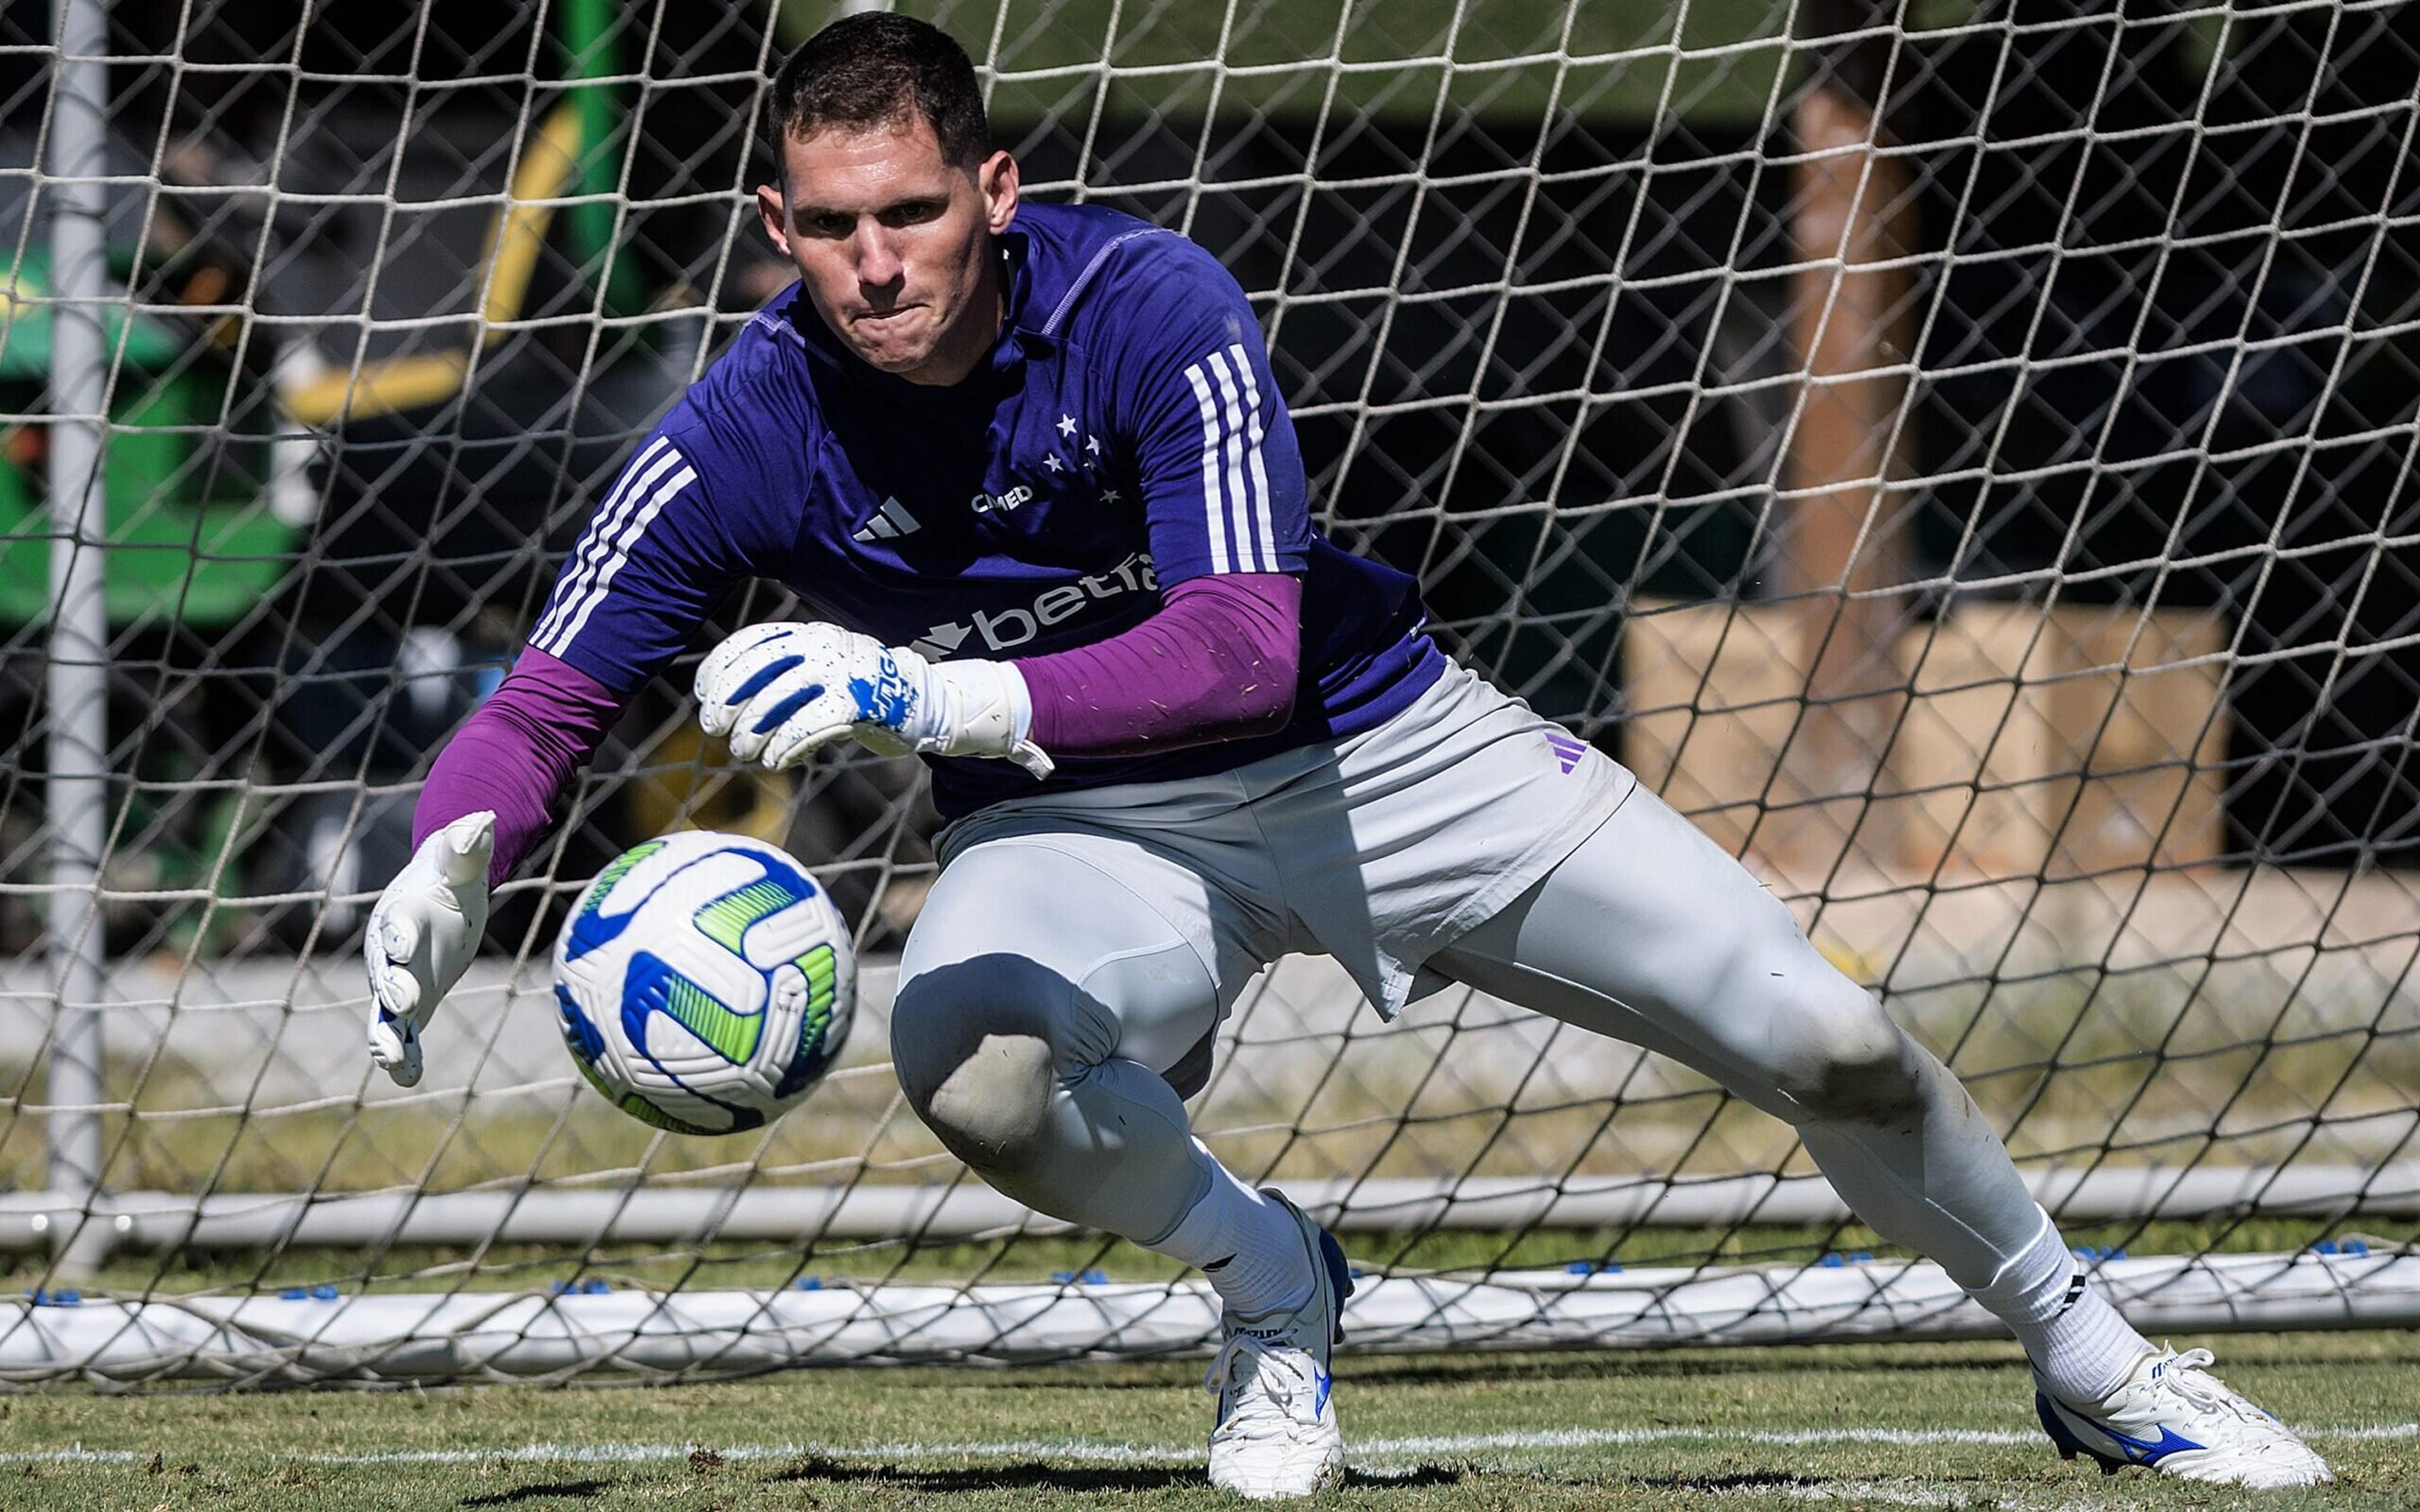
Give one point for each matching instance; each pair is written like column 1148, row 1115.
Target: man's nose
column 877, row 261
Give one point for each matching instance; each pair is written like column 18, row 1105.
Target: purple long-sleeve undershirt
column 517, row 753
column 1219, row 661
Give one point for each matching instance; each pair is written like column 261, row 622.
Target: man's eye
column 830, row 225
column 912, row 212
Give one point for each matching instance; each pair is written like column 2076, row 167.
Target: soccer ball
column 705, row 982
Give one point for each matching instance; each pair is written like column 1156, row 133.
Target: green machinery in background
column 191, row 540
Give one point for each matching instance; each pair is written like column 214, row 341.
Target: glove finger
column 394, row 1047
column 738, row 669
column 394, row 991
column 811, row 731
column 716, row 668
column 396, row 932
column 774, row 701
column 797, row 697
column 746, row 744
column 470, row 845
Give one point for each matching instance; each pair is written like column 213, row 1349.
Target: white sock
column 1249, row 1246
column 2082, row 1347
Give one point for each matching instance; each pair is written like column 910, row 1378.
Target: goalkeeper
column 1030, row 462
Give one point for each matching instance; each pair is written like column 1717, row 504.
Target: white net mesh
column 1962, row 456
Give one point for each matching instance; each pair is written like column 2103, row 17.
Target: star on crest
column 1051, row 461
column 1109, row 496
column 1067, row 426
column 1092, row 444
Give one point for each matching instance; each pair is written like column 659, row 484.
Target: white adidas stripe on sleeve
column 1235, row 480
column 1267, row 535
column 1230, row 460
column 1213, row 501
column 577, row 606
column 636, row 478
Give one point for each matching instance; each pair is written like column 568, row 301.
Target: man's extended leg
column 1651, row 934
column 1052, row 1014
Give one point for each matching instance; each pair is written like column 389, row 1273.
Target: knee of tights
column 975, row 1047
column 1848, row 1062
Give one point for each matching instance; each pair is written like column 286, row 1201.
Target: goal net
column 1960, row 455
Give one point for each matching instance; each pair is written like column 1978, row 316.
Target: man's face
column 894, row 243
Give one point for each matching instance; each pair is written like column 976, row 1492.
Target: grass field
column 1867, row 1427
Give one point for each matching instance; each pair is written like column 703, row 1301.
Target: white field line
column 1863, row 1492
column 1096, row 1451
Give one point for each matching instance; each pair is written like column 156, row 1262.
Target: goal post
column 1960, row 455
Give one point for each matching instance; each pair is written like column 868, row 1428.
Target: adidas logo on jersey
column 1012, row 627
column 892, row 520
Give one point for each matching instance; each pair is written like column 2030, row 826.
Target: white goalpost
column 1960, row 455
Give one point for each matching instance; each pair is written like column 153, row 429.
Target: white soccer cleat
column 2172, row 1416
column 1277, row 1435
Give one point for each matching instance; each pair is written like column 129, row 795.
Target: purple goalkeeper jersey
column 1125, row 436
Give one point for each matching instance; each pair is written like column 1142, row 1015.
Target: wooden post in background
column 1840, row 531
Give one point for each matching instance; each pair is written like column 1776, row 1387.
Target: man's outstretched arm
column 516, row 754
column 490, row 797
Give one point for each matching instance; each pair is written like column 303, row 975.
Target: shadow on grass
column 1033, row 1476
column 1751, row 1480
column 565, row 1489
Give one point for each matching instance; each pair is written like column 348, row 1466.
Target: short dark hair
column 875, row 68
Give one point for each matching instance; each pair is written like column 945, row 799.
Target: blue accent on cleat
column 2068, row 1444
column 2139, row 1452
column 1339, row 1280
column 2130, row 1450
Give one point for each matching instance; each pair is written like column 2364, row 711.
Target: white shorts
column 1380, row 850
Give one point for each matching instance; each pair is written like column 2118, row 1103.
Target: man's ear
column 997, row 180
column 774, row 214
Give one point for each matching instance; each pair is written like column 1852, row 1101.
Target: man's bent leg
column 1044, row 1005
column 1048, row 1021
column 1650, row 933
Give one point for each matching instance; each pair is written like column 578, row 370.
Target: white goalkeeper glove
column 422, row 936
column 783, row 690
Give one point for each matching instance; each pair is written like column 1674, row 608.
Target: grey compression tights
column 1651, row 934
column 1041, row 1043
column 1045, row 1007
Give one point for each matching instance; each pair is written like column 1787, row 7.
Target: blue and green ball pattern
column 651, row 985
